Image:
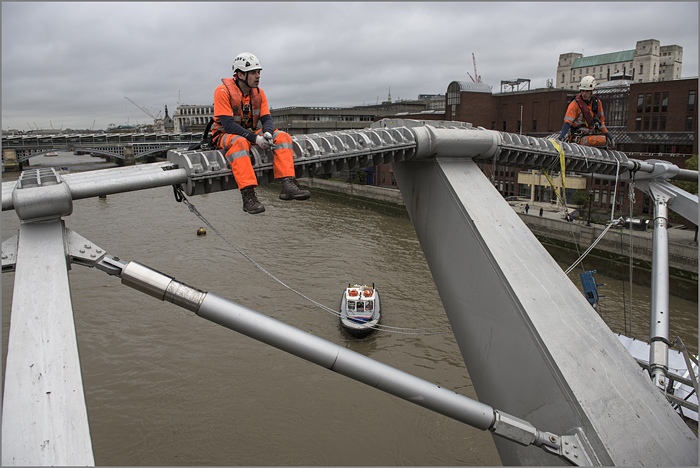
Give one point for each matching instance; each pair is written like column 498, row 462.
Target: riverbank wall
column 564, row 240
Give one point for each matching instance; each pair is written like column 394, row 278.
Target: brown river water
column 165, row 387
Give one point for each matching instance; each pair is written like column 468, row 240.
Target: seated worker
column 585, row 118
column 239, row 106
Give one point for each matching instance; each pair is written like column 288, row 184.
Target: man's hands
column 610, row 141
column 264, row 141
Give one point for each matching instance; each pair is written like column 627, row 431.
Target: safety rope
column 632, row 200
column 181, row 198
column 562, row 199
column 592, row 246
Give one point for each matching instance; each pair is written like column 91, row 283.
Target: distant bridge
column 103, row 144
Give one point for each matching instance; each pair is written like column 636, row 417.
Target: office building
column 649, row 61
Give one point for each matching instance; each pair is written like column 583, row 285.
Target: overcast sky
column 71, row 64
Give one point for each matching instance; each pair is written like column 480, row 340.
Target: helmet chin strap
column 245, row 81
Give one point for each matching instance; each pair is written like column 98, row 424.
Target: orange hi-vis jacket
column 585, row 130
column 246, row 111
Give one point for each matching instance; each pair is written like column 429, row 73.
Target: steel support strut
column 572, row 448
column 659, row 304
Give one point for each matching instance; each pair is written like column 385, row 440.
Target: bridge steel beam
column 532, row 344
column 44, row 415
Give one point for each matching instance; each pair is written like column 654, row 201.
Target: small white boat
column 51, row 154
column 360, row 310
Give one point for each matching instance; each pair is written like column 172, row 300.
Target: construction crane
column 145, row 110
column 478, row 77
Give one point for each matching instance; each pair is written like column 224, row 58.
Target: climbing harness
column 181, row 198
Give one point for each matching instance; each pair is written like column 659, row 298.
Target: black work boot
column 291, row 190
column 250, row 201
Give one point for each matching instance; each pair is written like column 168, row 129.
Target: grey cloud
column 77, row 61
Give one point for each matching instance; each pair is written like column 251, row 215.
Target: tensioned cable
column 180, row 197
column 607, row 228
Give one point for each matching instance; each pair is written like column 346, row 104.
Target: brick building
column 649, row 120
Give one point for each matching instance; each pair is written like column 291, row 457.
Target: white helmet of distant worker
column 245, row 62
column 588, row 83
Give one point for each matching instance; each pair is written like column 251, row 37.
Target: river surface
column 165, row 387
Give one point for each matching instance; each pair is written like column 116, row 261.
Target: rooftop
column 604, row 59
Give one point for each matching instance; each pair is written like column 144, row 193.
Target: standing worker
column 239, row 105
column 584, row 120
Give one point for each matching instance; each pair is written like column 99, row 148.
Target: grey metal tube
column 450, row 143
column 140, row 180
column 109, row 181
column 343, row 361
column 659, row 314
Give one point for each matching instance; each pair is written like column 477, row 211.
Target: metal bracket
column 574, row 448
column 81, row 251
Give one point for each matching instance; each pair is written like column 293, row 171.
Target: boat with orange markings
column 360, row 310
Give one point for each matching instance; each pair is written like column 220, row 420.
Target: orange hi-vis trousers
column 591, row 140
column 237, row 151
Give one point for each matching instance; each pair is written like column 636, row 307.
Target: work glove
column 262, row 142
column 611, row 142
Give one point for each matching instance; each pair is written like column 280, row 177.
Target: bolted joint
column 512, row 428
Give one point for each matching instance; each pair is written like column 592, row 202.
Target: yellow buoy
column 201, row 232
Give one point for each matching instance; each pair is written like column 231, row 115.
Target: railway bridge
column 124, row 148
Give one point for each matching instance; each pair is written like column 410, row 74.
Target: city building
column 307, row 120
column 192, row 118
column 649, row 61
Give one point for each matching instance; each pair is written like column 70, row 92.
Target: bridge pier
column 10, row 160
column 129, row 159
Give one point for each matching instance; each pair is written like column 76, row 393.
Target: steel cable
column 181, row 198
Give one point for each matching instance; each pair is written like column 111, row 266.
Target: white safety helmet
column 245, row 62
column 588, row 83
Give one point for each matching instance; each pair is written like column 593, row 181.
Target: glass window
column 691, row 101
column 534, row 125
column 604, row 198
column 647, row 105
column 657, row 101
column 351, row 305
column 646, row 123
column 640, row 103
column 662, row 123
column 596, row 195
column 664, row 102
column 654, row 123
column 689, row 123
column 638, row 123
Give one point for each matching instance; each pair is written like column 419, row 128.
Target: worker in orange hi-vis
column 240, row 107
column 584, row 122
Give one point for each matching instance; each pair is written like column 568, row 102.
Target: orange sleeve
column 222, row 103
column 572, row 112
